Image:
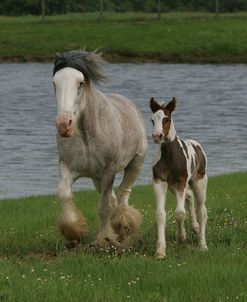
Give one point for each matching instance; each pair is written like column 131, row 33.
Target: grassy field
column 35, row 266
column 178, row 37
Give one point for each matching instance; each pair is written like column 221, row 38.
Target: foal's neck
column 171, row 135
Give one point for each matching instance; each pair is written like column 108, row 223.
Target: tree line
column 34, row 7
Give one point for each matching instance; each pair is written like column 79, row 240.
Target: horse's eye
column 81, row 83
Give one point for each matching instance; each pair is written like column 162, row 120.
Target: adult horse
column 98, row 136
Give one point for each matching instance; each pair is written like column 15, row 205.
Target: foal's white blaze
column 157, row 119
column 68, row 85
column 158, row 134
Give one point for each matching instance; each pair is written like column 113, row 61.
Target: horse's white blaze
column 68, row 92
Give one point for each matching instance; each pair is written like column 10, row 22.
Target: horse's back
column 129, row 117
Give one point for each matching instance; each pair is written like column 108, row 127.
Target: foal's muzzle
column 65, row 123
column 157, row 138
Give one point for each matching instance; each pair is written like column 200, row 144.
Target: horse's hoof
column 71, row 244
column 104, row 244
column 73, row 230
column 125, row 221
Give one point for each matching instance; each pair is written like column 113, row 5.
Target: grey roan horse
column 98, row 136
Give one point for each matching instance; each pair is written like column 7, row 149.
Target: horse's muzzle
column 65, row 123
column 157, row 138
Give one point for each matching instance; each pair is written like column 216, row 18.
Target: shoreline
column 135, row 59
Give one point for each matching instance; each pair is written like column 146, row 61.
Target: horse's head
column 68, row 84
column 72, row 74
column 163, row 127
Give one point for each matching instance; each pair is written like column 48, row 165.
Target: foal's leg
column 126, row 220
column 200, row 189
column 160, row 189
column 191, row 207
column 180, row 213
column 106, row 235
column 72, row 224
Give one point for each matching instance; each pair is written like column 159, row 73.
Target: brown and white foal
column 180, row 166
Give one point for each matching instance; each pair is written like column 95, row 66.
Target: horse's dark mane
column 86, row 62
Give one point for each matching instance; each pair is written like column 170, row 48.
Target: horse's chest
column 78, row 156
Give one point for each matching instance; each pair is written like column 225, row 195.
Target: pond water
column 211, row 108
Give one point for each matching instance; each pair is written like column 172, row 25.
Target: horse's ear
column 154, row 106
column 171, row 106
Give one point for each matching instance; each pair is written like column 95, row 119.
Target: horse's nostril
column 70, row 122
column 160, row 136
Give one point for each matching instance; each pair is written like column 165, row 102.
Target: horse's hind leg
column 199, row 187
column 126, row 220
column 106, row 236
column 114, row 201
column 192, row 213
column 72, row 224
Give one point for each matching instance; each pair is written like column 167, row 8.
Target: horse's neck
column 88, row 116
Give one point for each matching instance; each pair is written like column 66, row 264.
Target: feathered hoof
column 104, row 244
column 125, row 221
column 73, row 230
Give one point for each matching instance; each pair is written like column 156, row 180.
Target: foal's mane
column 86, row 62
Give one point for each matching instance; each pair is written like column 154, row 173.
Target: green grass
column 178, row 37
column 35, row 266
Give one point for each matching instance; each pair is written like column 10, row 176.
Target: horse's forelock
column 86, row 62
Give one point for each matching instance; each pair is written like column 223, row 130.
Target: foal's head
column 72, row 75
column 163, row 128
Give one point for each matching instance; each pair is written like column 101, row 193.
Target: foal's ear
column 171, row 106
column 154, row 106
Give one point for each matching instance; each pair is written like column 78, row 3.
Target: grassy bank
column 35, row 266
column 177, row 38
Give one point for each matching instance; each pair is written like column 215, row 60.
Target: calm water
column 211, row 108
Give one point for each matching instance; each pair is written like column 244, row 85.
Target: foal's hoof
column 160, row 255
column 203, row 248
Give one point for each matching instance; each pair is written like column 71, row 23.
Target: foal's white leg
column 126, row 220
column 180, row 215
column 71, row 223
column 200, row 189
column 191, row 207
column 160, row 189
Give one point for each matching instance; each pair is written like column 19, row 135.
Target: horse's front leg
column 72, row 224
column 106, row 236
